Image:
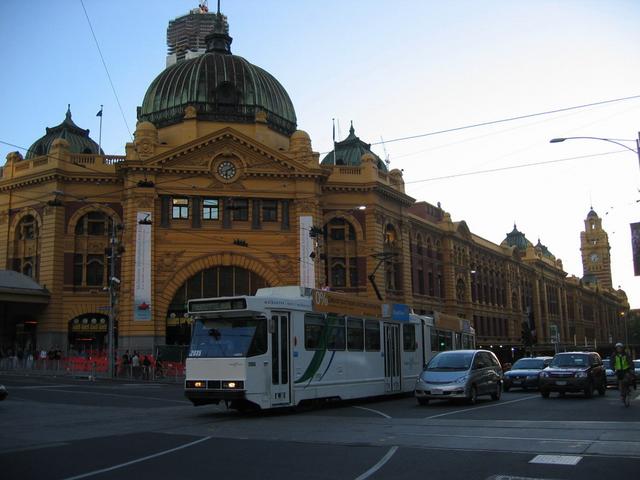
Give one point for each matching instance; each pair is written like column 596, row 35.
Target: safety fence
column 95, row 367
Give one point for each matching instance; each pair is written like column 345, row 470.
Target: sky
column 395, row 69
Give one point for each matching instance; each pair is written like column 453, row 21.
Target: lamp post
column 610, row 140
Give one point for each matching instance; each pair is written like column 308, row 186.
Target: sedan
column 525, row 373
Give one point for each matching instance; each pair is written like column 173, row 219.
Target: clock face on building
column 594, row 257
column 227, row 170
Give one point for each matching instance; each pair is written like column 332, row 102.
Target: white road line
column 33, row 447
column 183, row 402
column 495, row 437
column 378, row 412
column 376, row 467
column 138, row 460
column 496, row 404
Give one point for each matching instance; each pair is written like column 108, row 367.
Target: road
column 60, row 428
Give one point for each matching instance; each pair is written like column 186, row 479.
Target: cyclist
column 622, row 365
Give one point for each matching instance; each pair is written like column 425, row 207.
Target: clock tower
column 596, row 257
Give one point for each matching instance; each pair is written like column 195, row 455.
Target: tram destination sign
column 217, row 305
column 332, row 302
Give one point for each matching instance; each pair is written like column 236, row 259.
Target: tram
column 289, row 345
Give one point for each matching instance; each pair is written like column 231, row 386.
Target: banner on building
column 142, row 276
column 307, row 255
column 635, row 247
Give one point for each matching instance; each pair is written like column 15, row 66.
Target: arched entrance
column 88, row 333
column 220, row 281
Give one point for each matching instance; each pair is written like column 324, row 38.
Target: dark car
column 3, row 392
column 574, row 372
column 524, row 373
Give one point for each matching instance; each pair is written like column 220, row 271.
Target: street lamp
column 610, row 140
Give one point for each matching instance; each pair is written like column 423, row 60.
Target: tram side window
column 441, row 340
column 314, row 326
column 372, row 336
column 336, row 337
column 355, row 334
column 409, row 337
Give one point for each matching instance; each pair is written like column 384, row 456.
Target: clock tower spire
column 596, row 257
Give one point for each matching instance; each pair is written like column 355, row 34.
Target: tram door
column 392, row 357
column 280, row 359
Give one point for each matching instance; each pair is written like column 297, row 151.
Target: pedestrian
column 159, row 372
column 135, row 364
column 146, row 366
column 126, row 362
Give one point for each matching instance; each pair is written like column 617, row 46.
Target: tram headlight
column 233, row 385
column 196, row 384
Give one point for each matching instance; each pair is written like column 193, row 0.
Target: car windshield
column 570, row 360
column 636, row 363
column 528, row 364
column 451, row 361
column 229, row 337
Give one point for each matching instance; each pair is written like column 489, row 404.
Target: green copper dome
column 78, row 138
column 516, row 239
column 349, row 152
column 220, row 86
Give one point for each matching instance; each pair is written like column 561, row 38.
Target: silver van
column 460, row 374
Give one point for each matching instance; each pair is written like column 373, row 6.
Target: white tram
column 288, row 345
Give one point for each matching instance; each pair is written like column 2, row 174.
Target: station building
column 220, row 194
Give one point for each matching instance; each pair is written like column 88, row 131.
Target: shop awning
column 18, row 288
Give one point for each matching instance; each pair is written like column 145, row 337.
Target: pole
column 112, row 302
column 334, row 140
column 100, row 134
column 638, row 148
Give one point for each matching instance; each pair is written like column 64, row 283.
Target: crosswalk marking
column 556, row 459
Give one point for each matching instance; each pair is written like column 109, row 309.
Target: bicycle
column 625, row 389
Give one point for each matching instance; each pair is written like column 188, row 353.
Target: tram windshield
column 229, row 337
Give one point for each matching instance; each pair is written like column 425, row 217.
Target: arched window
column 26, row 247
column 341, row 247
column 91, row 261
column 95, row 224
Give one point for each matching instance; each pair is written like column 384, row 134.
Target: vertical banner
column 142, row 277
column 307, row 262
column 635, row 247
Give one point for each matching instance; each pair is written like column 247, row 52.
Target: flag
column 99, row 114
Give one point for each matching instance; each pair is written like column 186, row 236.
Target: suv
column 574, row 372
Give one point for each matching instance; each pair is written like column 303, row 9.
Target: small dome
column 350, row 151
column 544, row 250
column 592, row 213
column 516, row 239
column 77, row 138
column 300, row 141
column 220, row 86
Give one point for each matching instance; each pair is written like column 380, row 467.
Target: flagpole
column 100, row 134
column 333, row 120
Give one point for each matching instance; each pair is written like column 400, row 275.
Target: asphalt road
column 59, row 428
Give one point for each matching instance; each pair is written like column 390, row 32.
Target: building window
column 269, row 210
column 180, row 208
column 78, row 269
column 95, row 270
column 338, row 273
column 240, row 208
column 94, row 224
column 26, row 247
column 340, row 240
column 27, row 229
column 210, row 209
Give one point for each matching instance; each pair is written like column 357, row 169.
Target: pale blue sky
column 396, row 69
